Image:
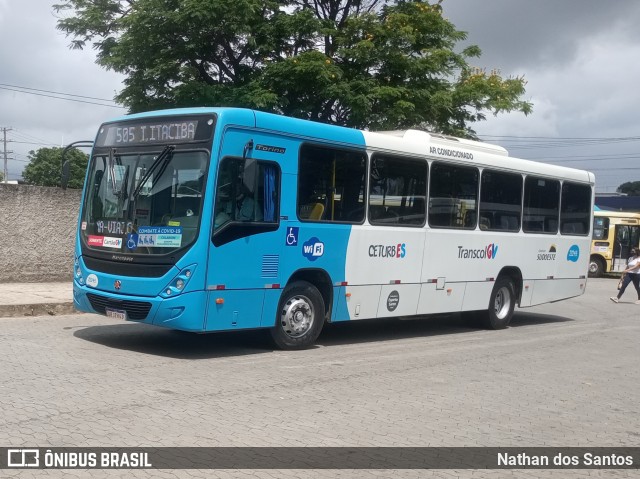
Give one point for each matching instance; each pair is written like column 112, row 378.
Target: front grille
column 136, row 310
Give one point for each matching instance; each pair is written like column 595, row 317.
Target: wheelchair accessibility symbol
column 132, row 241
column 292, row 236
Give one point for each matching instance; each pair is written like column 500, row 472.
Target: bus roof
column 412, row 142
column 435, row 138
column 474, row 152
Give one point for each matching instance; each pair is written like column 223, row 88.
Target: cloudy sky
column 580, row 58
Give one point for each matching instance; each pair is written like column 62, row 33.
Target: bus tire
column 596, row 267
column 501, row 304
column 300, row 317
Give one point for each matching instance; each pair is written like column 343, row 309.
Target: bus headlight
column 78, row 271
column 178, row 284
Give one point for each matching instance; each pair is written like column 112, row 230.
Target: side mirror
column 66, row 166
column 249, row 168
column 249, row 172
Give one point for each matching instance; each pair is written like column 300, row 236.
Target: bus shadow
column 145, row 339
column 353, row 332
column 532, row 319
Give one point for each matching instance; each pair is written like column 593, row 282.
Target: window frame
column 433, row 165
column 521, row 202
column 234, row 229
column 524, row 206
column 365, row 185
column 407, row 159
column 589, row 211
column 605, row 228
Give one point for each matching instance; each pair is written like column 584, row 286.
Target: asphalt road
column 564, row 374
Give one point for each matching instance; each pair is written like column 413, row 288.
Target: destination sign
column 164, row 130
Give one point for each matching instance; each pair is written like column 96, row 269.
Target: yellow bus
column 614, row 234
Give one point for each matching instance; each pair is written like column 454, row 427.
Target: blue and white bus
column 218, row 219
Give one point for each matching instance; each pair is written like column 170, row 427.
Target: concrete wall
column 37, row 233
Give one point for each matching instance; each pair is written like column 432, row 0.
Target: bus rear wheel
column 596, row 267
column 501, row 304
column 300, row 317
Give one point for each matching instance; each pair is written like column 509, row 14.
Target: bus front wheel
column 596, row 267
column 501, row 304
column 300, row 316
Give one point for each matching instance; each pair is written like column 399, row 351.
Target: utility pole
column 6, row 172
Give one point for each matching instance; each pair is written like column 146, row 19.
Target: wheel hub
column 502, row 303
column 297, row 316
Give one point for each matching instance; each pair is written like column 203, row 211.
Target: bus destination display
column 155, row 132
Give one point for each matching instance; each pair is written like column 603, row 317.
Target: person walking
column 631, row 275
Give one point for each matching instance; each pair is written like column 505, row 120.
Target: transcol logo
column 313, row 249
column 488, row 252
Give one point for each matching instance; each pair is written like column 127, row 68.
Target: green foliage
column 631, row 188
column 1, row 176
column 45, row 167
column 362, row 63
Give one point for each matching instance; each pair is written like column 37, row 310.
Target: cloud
column 514, row 34
column 36, row 55
column 578, row 56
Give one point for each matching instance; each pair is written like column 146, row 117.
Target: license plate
column 116, row 314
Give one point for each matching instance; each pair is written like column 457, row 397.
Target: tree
column 631, row 188
column 1, row 176
column 45, row 167
column 360, row 63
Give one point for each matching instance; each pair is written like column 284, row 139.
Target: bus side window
column 541, row 205
column 600, row 228
column 312, row 211
column 573, row 229
column 398, row 187
column 470, row 219
column 242, row 210
column 509, row 223
column 575, row 210
column 331, row 184
column 532, row 226
column 500, row 201
column 550, row 225
column 453, row 196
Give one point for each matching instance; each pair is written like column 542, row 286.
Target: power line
column 521, row 143
column 34, row 143
column 22, row 137
column 615, row 169
column 61, row 98
column 566, row 137
column 540, row 146
column 28, row 136
column 561, row 159
column 56, row 92
column 618, row 156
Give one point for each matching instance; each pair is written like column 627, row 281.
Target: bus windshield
column 144, row 203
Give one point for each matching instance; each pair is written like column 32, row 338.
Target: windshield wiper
column 162, row 160
column 113, row 162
